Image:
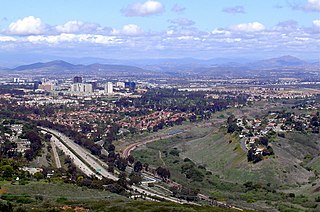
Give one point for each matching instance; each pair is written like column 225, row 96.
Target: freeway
column 76, row 160
column 83, row 155
column 90, row 164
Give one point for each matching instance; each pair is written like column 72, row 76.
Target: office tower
column 108, row 88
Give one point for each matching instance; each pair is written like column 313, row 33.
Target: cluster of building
column 254, row 131
column 21, row 144
column 153, row 120
column 77, row 86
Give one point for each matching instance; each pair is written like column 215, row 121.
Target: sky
column 141, row 29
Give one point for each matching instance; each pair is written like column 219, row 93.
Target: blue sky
column 161, row 28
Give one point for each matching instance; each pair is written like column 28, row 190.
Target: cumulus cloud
column 27, row 26
column 76, row 27
column 289, row 25
column 7, row 39
column 316, row 23
column 313, row 5
column 147, row 8
column 234, row 10
column 129, row 29
column 72, row 38
column 310, row 6
column 249, row 27
column 182, row 38
column 178, row 8
column 182, row 22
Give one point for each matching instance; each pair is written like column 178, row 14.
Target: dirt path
column 160, row 157
column 55, row 155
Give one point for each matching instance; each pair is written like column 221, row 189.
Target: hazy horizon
column 133, row 29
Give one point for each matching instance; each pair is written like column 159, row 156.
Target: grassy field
column 41, row 196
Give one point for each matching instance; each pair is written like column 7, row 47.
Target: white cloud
column 313, row 5
column 249, row 27
column 182, row 22
column 73, row 38
column 27, row 26
column 221, row 32
column 178, row 8
column 129, row 29
column 76, row 26
column 316, row 23
column 6, row 39
column 234, row 10
column 147, row 8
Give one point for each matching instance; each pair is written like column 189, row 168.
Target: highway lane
column 85, row 155
column 79, row 163
column 99, row 165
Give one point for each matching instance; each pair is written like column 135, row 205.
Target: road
column 131, row 147
column 97, row 165
column 84, row 155
column 243, row 144
column 79, row 163
column 55, row 154
column 127, row 151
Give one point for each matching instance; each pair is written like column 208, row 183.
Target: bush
column 61, row 200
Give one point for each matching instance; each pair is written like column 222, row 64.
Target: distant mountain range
column 62, row 67
column 280, row 62
column 164, row 66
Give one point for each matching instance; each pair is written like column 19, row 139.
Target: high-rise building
column 81, row 88
column 130, row 85
column 77, row 79
column 108, row 88
column 94, row 84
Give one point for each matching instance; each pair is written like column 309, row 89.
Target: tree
column 231, row 119
column 38, row 176
column 48, row 136
column 122, row 181
column 164, row 173
column 111, row 148
column 146, row 166
column 121, row 164
column 130, row 159
column 135, row 178
column 137, row 166
column 7, row 171
column 264, row 141
column 232, row 127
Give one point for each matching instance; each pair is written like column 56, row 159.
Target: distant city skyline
column 137, row 29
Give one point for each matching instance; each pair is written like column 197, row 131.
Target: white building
column 47, row 86
column 108, row 88
column 120, row 84
column 81, row 88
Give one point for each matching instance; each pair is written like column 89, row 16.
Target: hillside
column 62, row 67
column 209, row 159
column 43, row 196
column 220, row 67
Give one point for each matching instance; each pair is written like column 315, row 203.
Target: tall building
column 81, row 88
column 130, row 85
column 77, row 79
column 108, row 88
column 94, row 84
